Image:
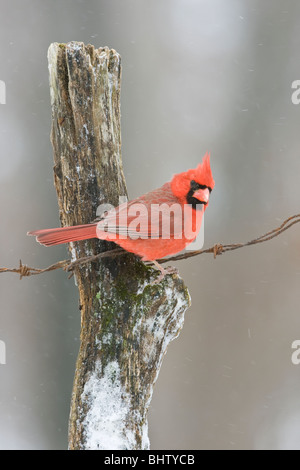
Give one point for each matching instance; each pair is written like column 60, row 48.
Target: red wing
column 157, row 214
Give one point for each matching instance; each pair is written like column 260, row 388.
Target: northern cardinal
column 169, row 218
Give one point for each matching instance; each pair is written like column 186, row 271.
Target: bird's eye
column 194, row 185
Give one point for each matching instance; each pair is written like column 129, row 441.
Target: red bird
column 159, row 223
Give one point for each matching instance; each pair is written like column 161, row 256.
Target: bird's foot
column 163, row 272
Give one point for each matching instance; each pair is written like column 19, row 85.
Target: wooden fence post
column 126, row 323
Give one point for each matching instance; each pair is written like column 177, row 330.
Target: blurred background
column 197, row 75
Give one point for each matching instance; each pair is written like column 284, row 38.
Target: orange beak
column 202, row 195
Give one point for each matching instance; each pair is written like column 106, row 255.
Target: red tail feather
column 56, row 236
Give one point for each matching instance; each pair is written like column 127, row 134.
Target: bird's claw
column 163, row 273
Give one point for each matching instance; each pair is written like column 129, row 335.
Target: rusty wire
column 218, row 249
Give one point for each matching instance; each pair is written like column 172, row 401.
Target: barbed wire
column 218, row 249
